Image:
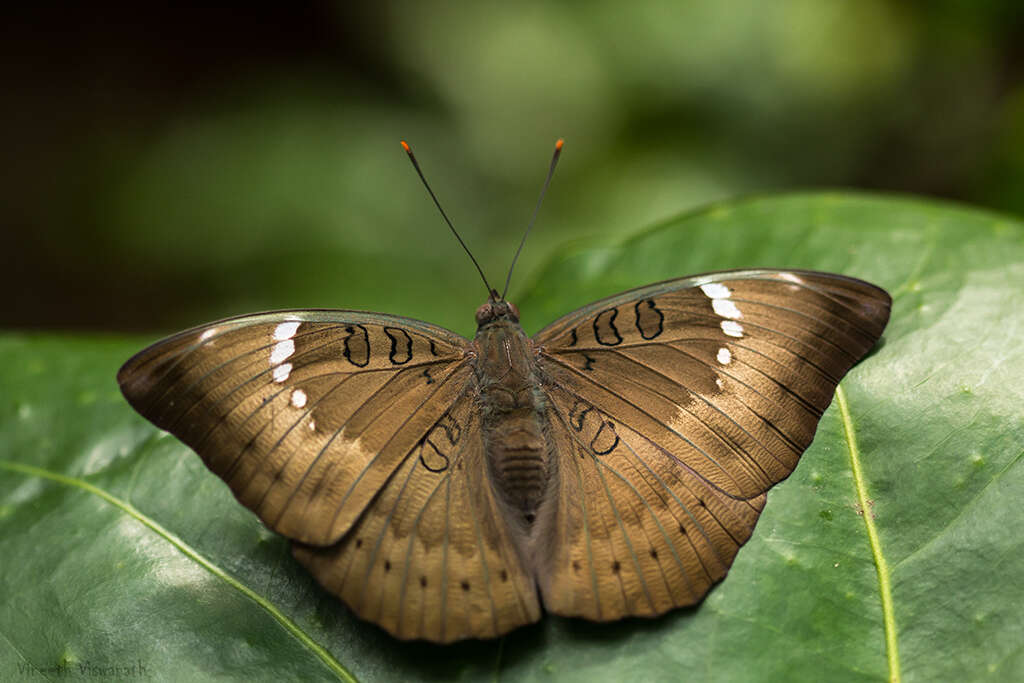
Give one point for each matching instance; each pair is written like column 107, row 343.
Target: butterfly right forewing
column 304, row 414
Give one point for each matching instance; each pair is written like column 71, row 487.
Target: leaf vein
column 881, row 565
column 191, row 553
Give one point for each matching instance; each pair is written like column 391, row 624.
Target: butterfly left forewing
column 432, row 556
column 304, row 414
column 683, row 402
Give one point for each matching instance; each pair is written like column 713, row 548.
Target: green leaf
column 894, row 548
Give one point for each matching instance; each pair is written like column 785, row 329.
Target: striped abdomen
column 512, row 410
column 517, row 455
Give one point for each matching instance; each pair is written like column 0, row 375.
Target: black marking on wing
column 604, row 328
column 649, row 320
column 357, row 346
column 578, row 414
column 452, row 429
column 605, row 441
column 401, row 345
column 433, row 451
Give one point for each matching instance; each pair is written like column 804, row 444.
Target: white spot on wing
column 286, row 330
column 298, row 398
column 312, row 425
column 726, row 308
column 718, row 382
column 732, row 328
column 281, row 351
column 207, row 334
column 715, row 290
column 792, row 278
column 281, row 372
column 724, row 356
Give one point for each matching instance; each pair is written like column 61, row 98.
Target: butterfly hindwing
column 304, row 414
column 432, row 556
column 675, row 407
column 634, row 533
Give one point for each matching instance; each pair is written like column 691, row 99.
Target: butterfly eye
column 514, row 311
column 484, row 314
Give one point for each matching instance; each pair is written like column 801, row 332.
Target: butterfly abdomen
column 512, row 410
column 517, row 456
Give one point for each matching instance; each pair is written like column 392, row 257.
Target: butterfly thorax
column 512, row 413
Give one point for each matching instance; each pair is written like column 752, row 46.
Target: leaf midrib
column 881, row 565
column 191, row 553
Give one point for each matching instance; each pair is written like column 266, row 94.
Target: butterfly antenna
column 415, row 164
column 536, row 210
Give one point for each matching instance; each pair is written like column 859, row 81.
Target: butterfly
column 446, row 488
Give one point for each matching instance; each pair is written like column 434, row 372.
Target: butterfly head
column 496, row 309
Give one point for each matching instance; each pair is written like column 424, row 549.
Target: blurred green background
column 170, row 165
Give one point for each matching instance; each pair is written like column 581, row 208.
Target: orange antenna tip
column 558, row 145
column 405, row 146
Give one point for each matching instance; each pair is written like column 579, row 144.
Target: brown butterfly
column 444, row 488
